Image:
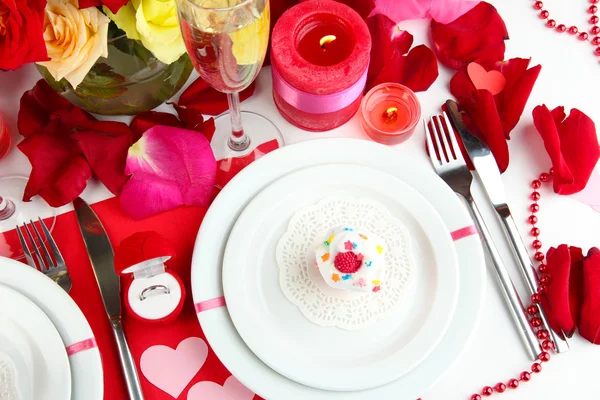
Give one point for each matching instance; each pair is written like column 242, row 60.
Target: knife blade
column 101, row 257
column 482, row 158
column 489, row 175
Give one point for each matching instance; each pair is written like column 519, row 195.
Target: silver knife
column 102, row 259
column 485, row 164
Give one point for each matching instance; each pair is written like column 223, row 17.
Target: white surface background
column 569, row 77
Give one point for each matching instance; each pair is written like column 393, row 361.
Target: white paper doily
column 302, row 283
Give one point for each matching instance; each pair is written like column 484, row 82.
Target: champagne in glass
column 227, row 41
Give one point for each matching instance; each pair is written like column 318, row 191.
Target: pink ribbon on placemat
column 315, row 103
column 209, row 304
column 464, row 232
column 81, row 346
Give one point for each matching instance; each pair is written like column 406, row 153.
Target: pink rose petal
column 169, row 167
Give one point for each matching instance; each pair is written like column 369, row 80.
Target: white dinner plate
column 51, row 375
column 324, row 357
column 17, row 372
column 416, row 171
column 86, row 367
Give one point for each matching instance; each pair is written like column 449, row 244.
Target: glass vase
column 129, row 81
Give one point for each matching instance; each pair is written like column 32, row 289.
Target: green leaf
column 102, row 75
column 99, row 92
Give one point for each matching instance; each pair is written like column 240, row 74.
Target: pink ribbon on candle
column 315, row 103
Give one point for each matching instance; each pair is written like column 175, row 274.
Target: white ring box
column 155, row 294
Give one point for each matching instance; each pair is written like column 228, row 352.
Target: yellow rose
column 154, row 22
column 75, row 39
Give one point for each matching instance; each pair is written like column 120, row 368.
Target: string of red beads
column 542, row 334
column 573, row 30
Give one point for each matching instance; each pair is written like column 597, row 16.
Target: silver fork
column 450, row 165
column 53, row 269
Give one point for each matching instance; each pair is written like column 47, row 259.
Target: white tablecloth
column 569, row 77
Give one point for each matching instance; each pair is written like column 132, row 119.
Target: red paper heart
column 493, row 81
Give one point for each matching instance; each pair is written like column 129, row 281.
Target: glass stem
column 7, row 209
column 238, row 141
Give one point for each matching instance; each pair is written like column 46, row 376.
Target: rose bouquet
column 95, row 52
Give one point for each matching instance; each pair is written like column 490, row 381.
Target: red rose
column 21, row 36
column 112, row 5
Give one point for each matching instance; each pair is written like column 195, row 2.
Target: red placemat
column 179, row 227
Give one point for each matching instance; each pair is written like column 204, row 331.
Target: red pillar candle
column 319, row 58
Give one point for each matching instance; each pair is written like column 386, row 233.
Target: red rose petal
column 420, row 69
column 38, row 106
column 576, row 283
column 105, row 147
column 389, row 44
column 146, row 120
column 203, row 99
column 482, row 111
column 478, row 36
column 546, row 126
column 113, row 5
column 59, row 171
column 559, row 268
column 512, row 99
column 589, row 323
column 572, row 145
column 519, row 84
column 194, row 120
column 461, row 84
column 389, row 59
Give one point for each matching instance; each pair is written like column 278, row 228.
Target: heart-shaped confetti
column 493, row 81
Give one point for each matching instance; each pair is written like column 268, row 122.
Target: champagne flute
column 14, row 212
column 227, row 41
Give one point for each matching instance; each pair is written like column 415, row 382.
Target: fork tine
column 26, row 250
column 43, row 267
column 49, row 261
column 455, row 146
column 60, row 261
column 430, row 146
column 441, row 133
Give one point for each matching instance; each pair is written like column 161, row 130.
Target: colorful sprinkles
column 359, row 259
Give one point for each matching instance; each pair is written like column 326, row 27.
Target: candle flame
column 326, row 39
column 390, row 115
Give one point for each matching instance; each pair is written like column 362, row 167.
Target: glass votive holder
column 390, row 113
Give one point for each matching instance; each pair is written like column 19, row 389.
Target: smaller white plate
column 330, row 358
column 51, row 375
column 14, row 344
column 86, row 366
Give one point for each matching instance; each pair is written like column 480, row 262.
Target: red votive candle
column 319, row 60
column 389, row 113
